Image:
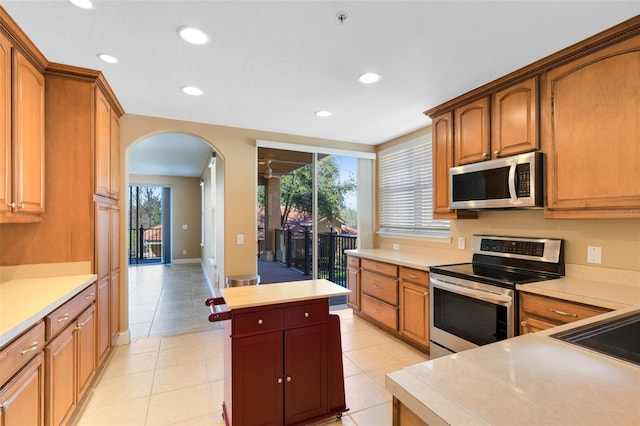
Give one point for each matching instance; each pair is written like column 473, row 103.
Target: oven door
column 466, row 314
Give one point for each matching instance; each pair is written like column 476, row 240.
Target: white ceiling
column 270, row 65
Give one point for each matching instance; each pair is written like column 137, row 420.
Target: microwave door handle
column 512, row 181
column 476, row 294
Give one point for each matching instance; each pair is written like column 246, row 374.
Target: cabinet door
column 414, row 312
column 28, row 136
column 258, row 382
column 305, row 373
column 103, row 145
column 114, row 157
column 442, row 142
column 86, row 338
column 103, row 334
column 472, row 132
column 5, row 125
column 114, row 274
column 22, row 399
column 61, row 379
column 353, row 284
column 591, row 129
column 514, row 119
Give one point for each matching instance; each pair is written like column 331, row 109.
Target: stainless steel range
column 473, row 304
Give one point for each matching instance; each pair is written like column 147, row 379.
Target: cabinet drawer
column 379, row 267
column 310, row 313
column 257, row 322
column 67, row 313
column 380, row 311
column 380, row 287
column 353, row 262
column 18, row 353
column 557, row 310
column 415, row 276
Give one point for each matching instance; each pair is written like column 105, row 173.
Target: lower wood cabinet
column 542, row 312
column 22, row 399
column 353, row 282
column 394, row 297
column 278, row 359
column 403, row 416
column 414, row 305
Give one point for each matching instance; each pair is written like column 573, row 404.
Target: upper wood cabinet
column 442, row 159
column 107, row 161
column 471, row 134
column 22, row 141
column 591, row 134
column 514, row 119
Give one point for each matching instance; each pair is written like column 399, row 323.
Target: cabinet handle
column 485, row 155
column 90, row 296
column 426, row 294
column 279, row 379
column 260, row 322
column 415, row 277
column 496, row 152
column 4, row 406
column 63, row 318
column 565, row 314
column 377, row 286
column 306, row 314
column 288, row 378
column 34, row 347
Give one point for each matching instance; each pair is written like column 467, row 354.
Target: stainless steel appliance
column 509, row 182
column 473, row 304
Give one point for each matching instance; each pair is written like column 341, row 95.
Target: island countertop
column 271, row 294
column 532, row 379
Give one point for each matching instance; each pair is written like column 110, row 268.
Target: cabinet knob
column 523, row 323
column 279, row 379
column 12, row 205
column 485, row 155
column 288, row 378
column 496, row 152
column 426, row 294
column 4, row 406
column 34, row 347
column 306, row 314
column 260, row 321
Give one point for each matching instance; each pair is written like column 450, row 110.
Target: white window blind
column 406, row 190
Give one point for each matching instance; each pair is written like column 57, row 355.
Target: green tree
column 150, row 206
column 297, row 190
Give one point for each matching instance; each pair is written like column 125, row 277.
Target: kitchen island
column 282, row 353
column 531, row 379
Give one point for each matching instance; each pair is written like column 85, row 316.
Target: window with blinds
column 405, row 191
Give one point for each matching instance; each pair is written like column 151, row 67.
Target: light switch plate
column 185, row 227
column 594, row 255
column 461, row 243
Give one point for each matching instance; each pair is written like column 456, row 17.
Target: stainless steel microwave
column 509, row 182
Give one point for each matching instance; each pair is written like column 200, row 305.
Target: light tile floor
column 178, row 379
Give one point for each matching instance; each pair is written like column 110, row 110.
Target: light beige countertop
column 23, row 302
column 422, row 259
column 271, row 294
column 532, row 379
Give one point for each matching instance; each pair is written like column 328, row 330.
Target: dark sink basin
column 618, row 337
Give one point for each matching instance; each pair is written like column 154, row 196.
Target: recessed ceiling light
column 83, row 4
column 108, row 58
column 323, row 113
column 370, row 77
column 193, row 91
column 192, row 35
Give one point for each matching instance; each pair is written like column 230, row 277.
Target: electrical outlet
column 185, row 227
column 461, row 243
column 396, row 246
column 594, row 254
column 184, row 252
column 240, row 239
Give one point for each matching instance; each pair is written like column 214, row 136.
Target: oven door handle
column 476, row 294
